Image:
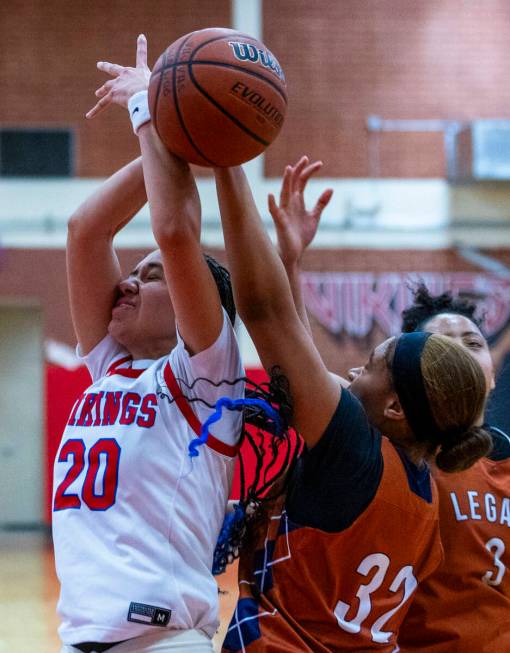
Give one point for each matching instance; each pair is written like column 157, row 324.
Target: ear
column 393, row 410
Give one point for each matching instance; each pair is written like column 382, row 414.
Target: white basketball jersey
column 135, row 521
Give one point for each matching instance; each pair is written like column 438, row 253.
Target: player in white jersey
column 136, row 520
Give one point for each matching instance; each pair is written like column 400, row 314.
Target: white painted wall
column 406, row 213
column 34, row 213
column 21, row 415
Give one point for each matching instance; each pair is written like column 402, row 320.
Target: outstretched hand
column 126, row 80
column 295, row 224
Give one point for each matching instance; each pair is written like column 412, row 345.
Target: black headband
column 409, row 386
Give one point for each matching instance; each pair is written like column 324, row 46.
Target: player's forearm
column 175, row 207
column 293, row 270
column 260, row 281
column 175, row 219
column 111, row 206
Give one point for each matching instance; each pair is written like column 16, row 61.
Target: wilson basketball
column 217, row 97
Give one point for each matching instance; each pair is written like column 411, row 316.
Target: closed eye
column 474, row 345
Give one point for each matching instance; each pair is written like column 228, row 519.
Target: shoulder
column 345, row 462
column 218, row 362
column 349, row 433
column 501, row 444
column 107, row 352
column 348, row 440
column 348, row 416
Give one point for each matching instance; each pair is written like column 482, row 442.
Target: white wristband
column 138, row 107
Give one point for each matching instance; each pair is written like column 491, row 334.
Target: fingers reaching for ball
column 126, row 80
column 112, row 69
column 104, row 89
column 295, row 223
column 141, row 52
column 100, row 106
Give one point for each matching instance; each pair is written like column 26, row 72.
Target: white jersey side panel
column 135, row 521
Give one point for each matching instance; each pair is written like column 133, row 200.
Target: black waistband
column 96, row 647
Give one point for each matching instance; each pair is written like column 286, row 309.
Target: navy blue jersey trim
column 418, row 479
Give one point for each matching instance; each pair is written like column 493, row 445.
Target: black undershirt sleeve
column 500, row 443
column 335, row 481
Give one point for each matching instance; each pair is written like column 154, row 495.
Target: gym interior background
column 407, row 104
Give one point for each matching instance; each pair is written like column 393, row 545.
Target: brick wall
column 48, row 65
column 425, row 59
column 344, row 60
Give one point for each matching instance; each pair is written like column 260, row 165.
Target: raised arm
column 175, row 217
column 175, row 213
column 296, row 225
column 93, row 270
column 266, row 305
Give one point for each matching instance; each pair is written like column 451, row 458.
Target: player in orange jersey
column 340, row 552
column 465, row 605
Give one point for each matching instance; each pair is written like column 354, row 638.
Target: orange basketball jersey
column 465, row 605
column 307, row 590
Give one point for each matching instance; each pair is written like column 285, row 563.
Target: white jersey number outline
column 499, row 549
column 381, row 562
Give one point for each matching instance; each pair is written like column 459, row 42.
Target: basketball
column 217, row 97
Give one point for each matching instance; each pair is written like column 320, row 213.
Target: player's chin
column 119, row 328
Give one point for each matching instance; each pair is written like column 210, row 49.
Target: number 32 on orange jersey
column 381, row 563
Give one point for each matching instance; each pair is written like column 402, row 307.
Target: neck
column 400, row 435
column 417, row 452
column 152, row 350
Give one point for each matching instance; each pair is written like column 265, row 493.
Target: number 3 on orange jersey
column 499, row 549
column 381, row 562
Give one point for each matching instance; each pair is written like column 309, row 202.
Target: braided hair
column 426, row 306
column 269, row 447
column 269, row 451
column 222, row 278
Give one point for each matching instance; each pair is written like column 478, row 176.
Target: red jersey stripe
column 191, row 418
column 113, row 367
